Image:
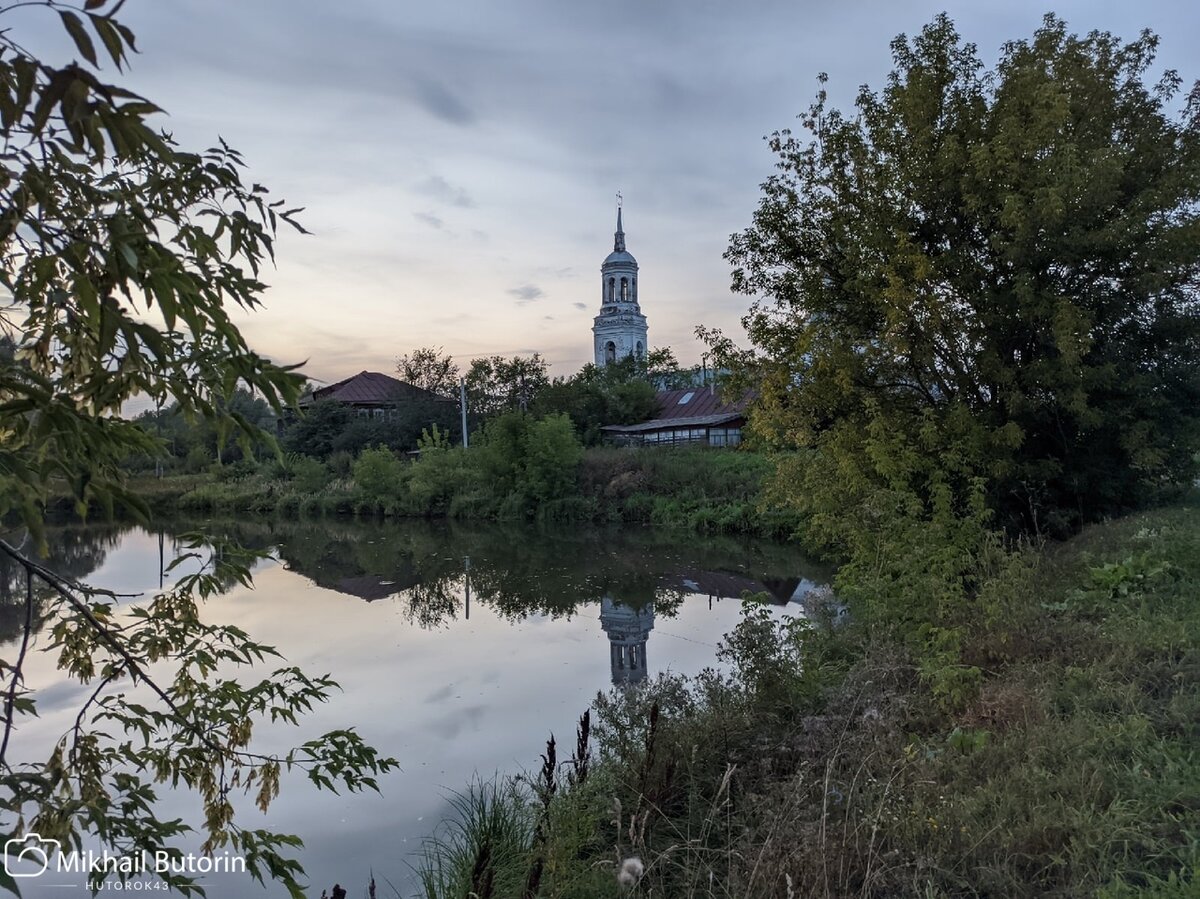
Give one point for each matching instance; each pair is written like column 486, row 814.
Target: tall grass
column 483, row 850
column 822, row 765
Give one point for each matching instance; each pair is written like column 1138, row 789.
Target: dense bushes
column 378, row 473
column 518, row 467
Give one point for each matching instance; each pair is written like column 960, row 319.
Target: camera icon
column 29, row 848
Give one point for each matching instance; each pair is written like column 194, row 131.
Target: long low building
column 693, row 415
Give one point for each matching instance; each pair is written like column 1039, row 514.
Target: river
column 459, row 650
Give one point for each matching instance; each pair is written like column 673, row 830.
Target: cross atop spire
column 619, row 237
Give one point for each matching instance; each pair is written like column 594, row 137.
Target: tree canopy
column 105, row 227
column 430, row 369
column 496, row 385
column 985, row 279
column 121, row 258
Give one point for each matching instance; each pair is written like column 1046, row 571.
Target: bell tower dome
column 620, row 328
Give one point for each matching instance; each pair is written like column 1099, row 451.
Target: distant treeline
column 622, row 393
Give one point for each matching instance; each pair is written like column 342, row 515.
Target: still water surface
column 459, row 649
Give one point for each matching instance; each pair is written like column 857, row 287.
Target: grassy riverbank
column 708, row 491
column 1070, row 769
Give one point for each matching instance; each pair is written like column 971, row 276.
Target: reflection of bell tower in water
column 628, row 630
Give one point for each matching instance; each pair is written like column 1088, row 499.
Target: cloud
column 437, row 100
column 526, row 293
column 439, row 188
column 375, row 134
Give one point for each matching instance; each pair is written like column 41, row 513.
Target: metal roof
column 691, row 402
column 689, row 407
column 620, row 257
column 659, row 424
column 371, row 388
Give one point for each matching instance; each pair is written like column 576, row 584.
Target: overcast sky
column 458, row 160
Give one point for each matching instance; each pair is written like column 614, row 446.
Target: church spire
column 620, row 328
column 619, row 237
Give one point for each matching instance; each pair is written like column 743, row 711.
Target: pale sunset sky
column 458, row 160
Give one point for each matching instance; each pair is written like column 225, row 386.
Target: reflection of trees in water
column 75, row 551
column 217, row 542
column 427, row 566
column 516, row 570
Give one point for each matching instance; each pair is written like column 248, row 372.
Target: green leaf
column 74, row 26
column 7, row 882
column 111, row 37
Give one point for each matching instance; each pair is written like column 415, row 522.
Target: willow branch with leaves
column 121, row 257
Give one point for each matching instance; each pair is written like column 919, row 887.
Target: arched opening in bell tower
column 610, row 352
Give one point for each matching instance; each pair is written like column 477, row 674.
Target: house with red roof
column 372, row 394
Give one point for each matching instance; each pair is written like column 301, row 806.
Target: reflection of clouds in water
column 450, row 726
column 60, row 696
column 441, row 693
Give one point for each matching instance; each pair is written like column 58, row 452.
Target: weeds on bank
column 821, row 764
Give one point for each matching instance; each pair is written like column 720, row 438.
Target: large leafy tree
column 496, row 385
column 430, row 369
column 618, row 393
column 121, row 256
column 984, row 283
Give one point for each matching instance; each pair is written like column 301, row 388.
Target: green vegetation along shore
column 708, row 491
column 1070, row 771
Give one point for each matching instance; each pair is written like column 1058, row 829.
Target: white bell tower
column 620, row 328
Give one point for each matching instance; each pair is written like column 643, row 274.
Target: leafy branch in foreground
column 181, row 723
column 121, row 256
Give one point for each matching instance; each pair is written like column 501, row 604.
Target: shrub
column 309, row 475
column 341, row 464
column 198, row 459
column 551, row 459
column 236, row 471
column 380, row 475
column 441, row 474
